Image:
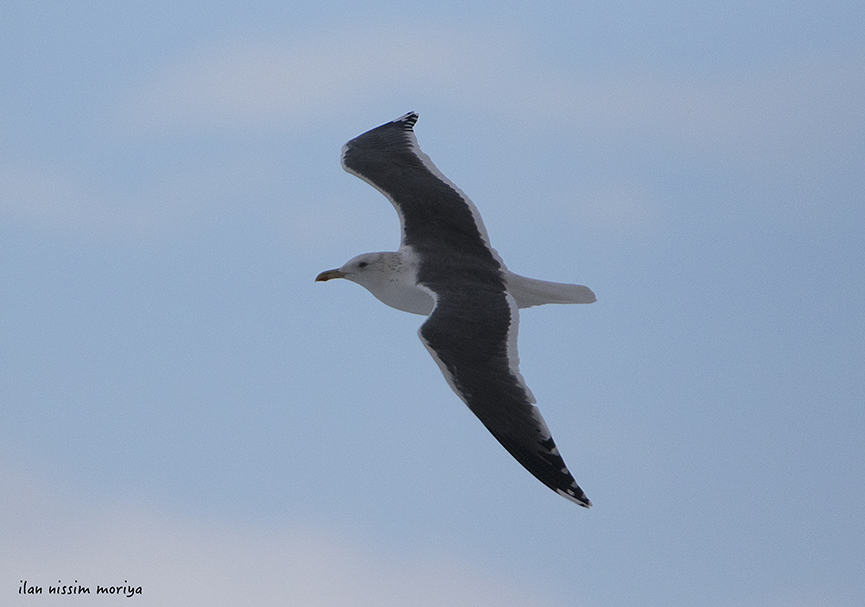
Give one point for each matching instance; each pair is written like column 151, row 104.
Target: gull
column 445, row 269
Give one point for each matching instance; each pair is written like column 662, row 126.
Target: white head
column 391, row 277
column 370, row 270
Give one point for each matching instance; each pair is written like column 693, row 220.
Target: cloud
column 765, row 111
column 47, row 537
column 768, row 112
column 785, row 117
column 259, row 83
column 56, row 198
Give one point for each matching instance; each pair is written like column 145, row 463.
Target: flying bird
column 445, row 269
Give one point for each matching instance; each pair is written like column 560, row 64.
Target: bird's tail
column 532, row 292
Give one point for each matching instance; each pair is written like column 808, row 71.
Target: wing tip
column 410, row 119
column 576, row 495
column 406, row 122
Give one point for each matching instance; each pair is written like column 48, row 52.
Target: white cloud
column 47, row 536
column 256, row 84
column 768, row 112
column 55, row 198
column 785, row 116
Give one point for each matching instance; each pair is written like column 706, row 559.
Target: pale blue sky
column 183, row 408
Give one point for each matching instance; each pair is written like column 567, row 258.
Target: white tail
column 530, row 292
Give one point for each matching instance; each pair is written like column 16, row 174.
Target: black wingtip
column 578, row 497
column 409, row 119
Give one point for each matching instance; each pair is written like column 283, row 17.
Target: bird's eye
column 362, row 264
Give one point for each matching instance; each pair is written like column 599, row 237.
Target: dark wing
column 432, row 210
column 472, row 336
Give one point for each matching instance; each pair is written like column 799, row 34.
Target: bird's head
column 366, row 270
